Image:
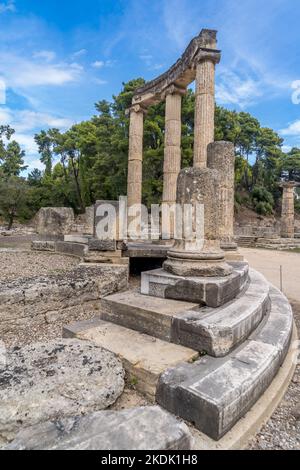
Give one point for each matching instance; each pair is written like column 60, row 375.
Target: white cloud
column 286, row 148
column 7, row 6
column 235, row 90
column 32, row 164
column 48, row 56
column 28, row 120
column 99, row 81
column 27, row 143
column 98, row 64
column 23, row 73
column 292, row 130
column 80, row 53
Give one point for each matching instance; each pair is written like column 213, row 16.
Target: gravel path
column 282, row 432
column 21, row 264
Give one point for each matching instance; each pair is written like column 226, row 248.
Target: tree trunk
column 82, row 207
column 10, row 221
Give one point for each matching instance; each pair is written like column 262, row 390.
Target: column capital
column 207, row 54
column 173, row 90
column 136, row 108
column 288, row 184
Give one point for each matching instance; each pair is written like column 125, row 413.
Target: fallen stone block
column 56, row 380
column 74, row 249
column 146, row 428
column 102, row 245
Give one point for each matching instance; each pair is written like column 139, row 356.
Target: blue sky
column 57, row 58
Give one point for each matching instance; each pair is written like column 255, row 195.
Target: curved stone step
column 219, row 330
column 213, row 330
column 214, row 393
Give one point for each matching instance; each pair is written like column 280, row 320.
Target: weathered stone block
column 74, row 249
column 55, row 380
column 43, row 245
column 54, row 220
column 212, row 292
column 148, row 428
column 102, row 245
column 63, row 297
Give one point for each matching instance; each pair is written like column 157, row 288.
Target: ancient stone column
column 204, row 107
column 172, row 156
column 197, row 252
column 221, row 157
column 135, row 155
column 288, row 210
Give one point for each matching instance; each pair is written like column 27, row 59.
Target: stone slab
column 147, row 250
column 219, row 330
column 102, row 245
column 69, row 248
column 150, row 315
column 38, row 245
column 145, row 428
column 214, row 393
column 212, row 292
column 144, row 357
column 74, row 238
column 55, row 380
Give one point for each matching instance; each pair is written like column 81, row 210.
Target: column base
column 229, row 246
column 206, row 264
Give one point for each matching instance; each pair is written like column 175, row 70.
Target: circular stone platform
column 55, row 380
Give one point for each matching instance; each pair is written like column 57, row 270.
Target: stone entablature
column 183, row 72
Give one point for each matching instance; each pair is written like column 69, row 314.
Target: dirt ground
column 268, row 263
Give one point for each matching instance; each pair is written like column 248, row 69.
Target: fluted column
column 220, row 157
column 135, row 155
column 204, row 110
column 172, row 156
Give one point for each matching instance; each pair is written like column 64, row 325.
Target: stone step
column 219, row 330
column 111, row 257
column 214, row 393
column 144, row 357
column 107, row 260
column 214, row 330
column 149, row 315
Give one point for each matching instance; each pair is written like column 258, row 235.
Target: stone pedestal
column 204, row 109
column 135, row 155
column 198, row 253
column 288, row 210
column 220, row 157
